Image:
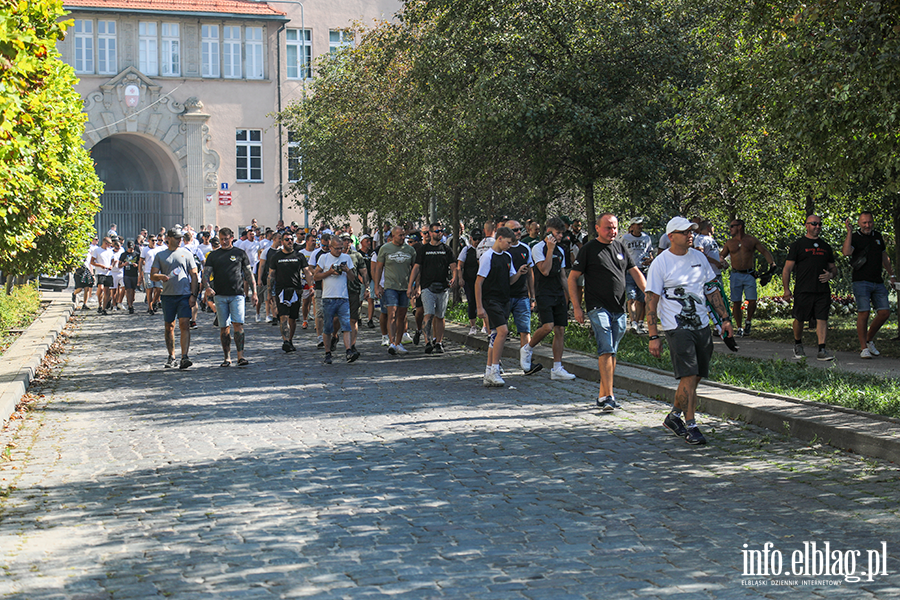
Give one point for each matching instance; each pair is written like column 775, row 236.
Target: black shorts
column 292, row 310
column 83, row 278
column 497, row 312
column 355, row 304
column 691, row 351
column 809, row 306
column 130, row 282
column 553, row 309
column 105, row 280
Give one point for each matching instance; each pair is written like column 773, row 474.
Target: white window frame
column 231, row 52
column 294, row 158
column 255, row 58
column 107, row 63
column 84, row 46
column 299, row 44
column 248, row 146
column 170, row 57
column 148, row 48
column 209, row 45
column 345, row 38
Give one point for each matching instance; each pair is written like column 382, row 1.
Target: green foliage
column 17, row 311
column 49, row 192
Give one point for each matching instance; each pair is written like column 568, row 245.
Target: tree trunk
column 9, row 284
column 590, row 210
column 458, row 234
column 810, row 204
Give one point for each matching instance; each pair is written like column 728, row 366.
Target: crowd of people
column 615, row 280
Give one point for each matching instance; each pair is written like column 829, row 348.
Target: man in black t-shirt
column 867, row 258
column 128, row 261
column 289, row 270
column 812, row 261
column 231, row 279
column 521, row 293
column 432, row 275
column 603, row 262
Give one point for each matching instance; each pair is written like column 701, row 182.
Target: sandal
column 243, row 362
column 225, row 363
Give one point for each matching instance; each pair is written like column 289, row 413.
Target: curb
column 22, row 359
column 855, row 431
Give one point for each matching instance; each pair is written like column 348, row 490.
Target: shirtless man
column 742, row 249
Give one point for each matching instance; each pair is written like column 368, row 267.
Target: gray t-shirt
column 178, row 266
column 398, row 262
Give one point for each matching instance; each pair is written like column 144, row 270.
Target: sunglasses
column 814, row 223
column 517, row 229
column 437, row 231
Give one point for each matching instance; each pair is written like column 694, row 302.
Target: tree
column 49, row 192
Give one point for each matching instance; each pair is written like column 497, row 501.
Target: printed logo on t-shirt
column 399, row 257
column 620, row 257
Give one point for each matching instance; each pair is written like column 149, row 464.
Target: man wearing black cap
column 176, row 268
column 128, row 260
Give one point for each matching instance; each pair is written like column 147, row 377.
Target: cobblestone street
column 404, row 477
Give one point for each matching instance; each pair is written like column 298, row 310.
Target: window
column 106, row 47
column 209, row 42
column 299, row 54
column 84, row 46
column 171, row 50
column 254, row 52
column 339, row 38
column 249, row 155
column 231, row 52
column 147, row 48
column 295, row 162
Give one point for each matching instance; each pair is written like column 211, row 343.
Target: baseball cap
column 477, row 234
column 175, row 232
column 635, row 221
column 679, row 224
column 365, row 236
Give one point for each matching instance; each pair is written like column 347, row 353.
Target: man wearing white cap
column 676, row 286
column 640, row 248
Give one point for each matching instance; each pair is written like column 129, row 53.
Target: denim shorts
column 176, row 306
column 743, row 285
column 632, row 290
column 229, row 309
column 521, row 312
column 609, row 328
column 435, row 304
column 869, row 293
column 150, row 284
column 336, row 307
column 395, row 298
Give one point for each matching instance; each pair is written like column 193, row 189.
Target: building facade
column 181, row 95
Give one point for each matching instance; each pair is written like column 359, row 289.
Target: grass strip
column 17, row 311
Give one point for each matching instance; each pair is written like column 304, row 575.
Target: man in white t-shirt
column 640, row 248
column 332, row 269
column 152, row 288
column 115, row 270
column 678, row 286
column 101, row 260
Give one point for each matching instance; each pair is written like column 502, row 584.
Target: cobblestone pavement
column 404, row 477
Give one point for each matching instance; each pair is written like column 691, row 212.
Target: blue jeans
column 521, row 312
column 229, row 309
column 868, row 293
column 609, row 328
column 395, row 298
column 632, row 290
column 336, row 307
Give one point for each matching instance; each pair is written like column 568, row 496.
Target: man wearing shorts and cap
column 176, row 268
column 677, row 287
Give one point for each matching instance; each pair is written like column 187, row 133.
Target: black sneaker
column 438, row 348
column 103, row 312
column 352, row 355
column 84, row 307
column 605, row 405
column 194, row 325
column 286, row 346
column 327, row 360
column 185, row 363
column 370, row 324
column 170, row 362
column 320, row 345
column 291, row 347
column 675, row 425
column 417, row 337
column 391, row 350
column 429, row 348
column 130, row 310
column 694, row 437
column 535, row 367
column 799, row 352
column 747, row 327
column 216, row 321
column 99, row 310
column 334, row 342
column 612, row 402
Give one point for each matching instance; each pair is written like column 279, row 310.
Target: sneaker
column 327, row 360
column 275, row 322
column 216, row 321
column 417, row 337
column 130, row 310
column 291, row 347
column 525, row 353
column 103, row 312
column 866, row 353
column 870, row 346
column 370, row 324
column 634, row 327
column 738, row 332
column 286, row 346
column 675, row 425
column 493, row 379
column 185, row 363
column 438, row 348
column 483, row 330
column 535, row 367
column 694, row 437
column 352, row 355
column 334, row 342
column 642, row 328
column 406, row 339
column 194, row 325
column 429, row 348
column 560, row 374
column 257, row 318
column 392, row 350
column 84, row 307
column 118, row 307
column 269, row 319
column 799, row 352
column 170, row 362
column 401, row 349
column 747, row 326
column 73, row 297
column 473, row 330
column 613, row 403
column 825, row 354
column 305, row 325
column 604, row 404
column 99, row 310
column 320, row 345
column 385, row 340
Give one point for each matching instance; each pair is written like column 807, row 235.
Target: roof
column 194, row 7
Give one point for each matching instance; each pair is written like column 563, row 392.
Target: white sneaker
column 561, row 374
column 866, row 353
column 493, row 379
column 400, row 349
column 385, row 341
column 257, row 318
column 483, row 330
column 870, row 346
column 634, row 327
column 525, row 357
column 406, row 339
column 268, row 319
column 473, row 330
column 642, row 328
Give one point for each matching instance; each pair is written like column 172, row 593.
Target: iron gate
column 133, row 211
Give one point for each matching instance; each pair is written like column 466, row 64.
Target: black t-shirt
column 550, row 286
column 812, row 258
column 288, row 269
column 521, row 255
column 873, row 247
column 228, row 270
column 434, row 263
column 604, row 267
column 131, row 263
column 368, row 256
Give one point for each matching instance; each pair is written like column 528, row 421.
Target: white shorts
column 118, row 278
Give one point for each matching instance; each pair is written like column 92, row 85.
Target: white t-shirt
column 708, row 246
column 374, row 262
column 334, row 286
column 87, row 258
column 639, row 247
column 116, row 269
column 664, row 242
column 147, row 253
column 483, row 246
column 104, row 256
column 252, row 250
column 680, row 283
